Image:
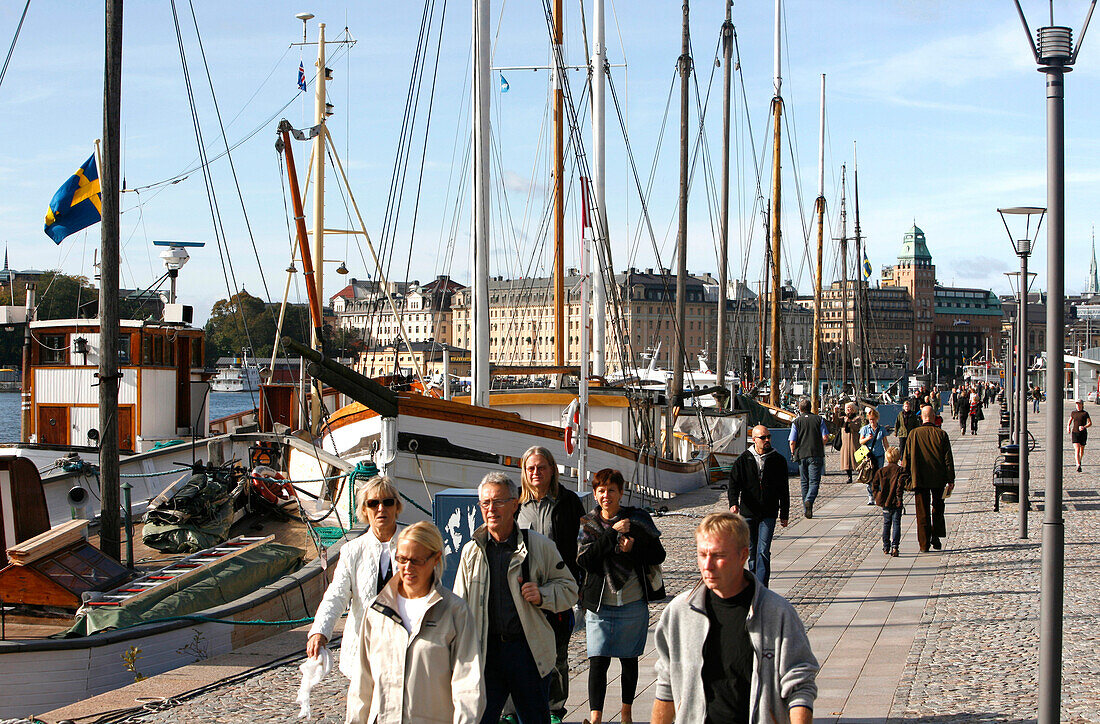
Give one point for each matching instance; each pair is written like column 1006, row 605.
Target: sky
column 940, row 102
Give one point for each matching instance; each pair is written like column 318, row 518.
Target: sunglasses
column 415, row 562
column 763, row 437
column 388, row 502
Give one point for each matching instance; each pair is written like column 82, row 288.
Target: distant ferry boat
column 241, row 376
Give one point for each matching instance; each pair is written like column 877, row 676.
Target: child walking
column 888, row 487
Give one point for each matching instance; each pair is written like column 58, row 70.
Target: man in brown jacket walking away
column 927, row 458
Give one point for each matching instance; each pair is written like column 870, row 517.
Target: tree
column 58, row 296
column 247, row 321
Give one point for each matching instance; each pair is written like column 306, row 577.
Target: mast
column 844, row 280
column 110, row 542
column 26, row 411
column 316, row 341
column 599, row 227
column 479, row 358
column 560, row 330
column 723, row 247
column 676, row 394
column 777, row 113
column 861, row 300
column 761, row 309
column 816, row 374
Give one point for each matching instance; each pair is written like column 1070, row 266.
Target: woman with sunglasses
column 419, row 654
column 365, row 565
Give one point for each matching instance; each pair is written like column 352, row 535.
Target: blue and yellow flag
column 866, row 266
column 76, row 205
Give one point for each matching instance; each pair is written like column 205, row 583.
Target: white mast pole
column 599, row 293
column 778, row 70
column 480, row 307
column 582, row 430
column 319, row 110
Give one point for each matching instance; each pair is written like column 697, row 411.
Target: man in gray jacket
column 510, row 578
column 730, row 649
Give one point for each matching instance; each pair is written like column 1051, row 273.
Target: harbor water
column 221, row 404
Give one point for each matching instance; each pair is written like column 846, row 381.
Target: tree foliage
column 58, row 296
column 246, row 321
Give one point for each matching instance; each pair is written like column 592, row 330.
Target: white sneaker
column 870, row 500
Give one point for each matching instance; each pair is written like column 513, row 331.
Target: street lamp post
column 1022, row 246
column 1054, row 54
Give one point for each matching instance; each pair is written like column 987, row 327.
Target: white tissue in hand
column 313, row 670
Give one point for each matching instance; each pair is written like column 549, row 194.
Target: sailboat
column 431, row 444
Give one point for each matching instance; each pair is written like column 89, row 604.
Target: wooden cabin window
column 124, row 349
column 54, row 349
column 196, row 352
column 158, row 350
column 170, row 353
column 146, row 349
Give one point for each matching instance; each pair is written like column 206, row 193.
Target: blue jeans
column 809, row 472
column 761, row 531
column 510, row 669
column 1036, row 401
column 891, row 527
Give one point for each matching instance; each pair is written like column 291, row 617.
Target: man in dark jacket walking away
column 927, row 459
column 807, row 440
column 758, row 492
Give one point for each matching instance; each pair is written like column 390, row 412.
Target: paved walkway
column 946, row 636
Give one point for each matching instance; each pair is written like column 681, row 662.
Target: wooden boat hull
column 83, row 667
column 443, row 444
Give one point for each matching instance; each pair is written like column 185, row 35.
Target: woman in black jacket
column 617, row 545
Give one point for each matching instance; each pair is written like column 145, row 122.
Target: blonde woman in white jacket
column 419, row 655
column 365, row 564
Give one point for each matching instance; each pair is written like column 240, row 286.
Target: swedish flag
column 866, row 266
column 76, row 205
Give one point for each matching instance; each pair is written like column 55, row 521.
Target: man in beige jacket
column 510, row 578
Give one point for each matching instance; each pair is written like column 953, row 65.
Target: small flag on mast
column 301, row 75
column 866, row 266
column 76, row 205
column 504, row 84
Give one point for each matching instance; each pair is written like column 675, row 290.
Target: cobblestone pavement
column 976, row 655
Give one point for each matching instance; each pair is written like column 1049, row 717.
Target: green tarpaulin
column 220, row 583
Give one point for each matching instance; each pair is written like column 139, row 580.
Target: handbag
column 654, row 583
column 838, row 441
column 865, row 471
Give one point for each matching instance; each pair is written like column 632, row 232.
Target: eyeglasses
column 415, row 562
column 375, row 502
column 763, row 437
column 494, row 504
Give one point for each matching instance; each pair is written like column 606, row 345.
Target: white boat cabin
column 162, row 394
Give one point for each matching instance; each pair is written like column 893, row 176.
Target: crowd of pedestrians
column 728, row 649
column 496, row 644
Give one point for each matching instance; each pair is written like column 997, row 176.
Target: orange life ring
column 266, row 483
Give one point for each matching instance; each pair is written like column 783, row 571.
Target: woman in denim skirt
column 617, row 543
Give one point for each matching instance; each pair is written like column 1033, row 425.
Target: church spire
column 1093, row 285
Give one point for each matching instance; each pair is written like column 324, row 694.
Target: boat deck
column 19, row 625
